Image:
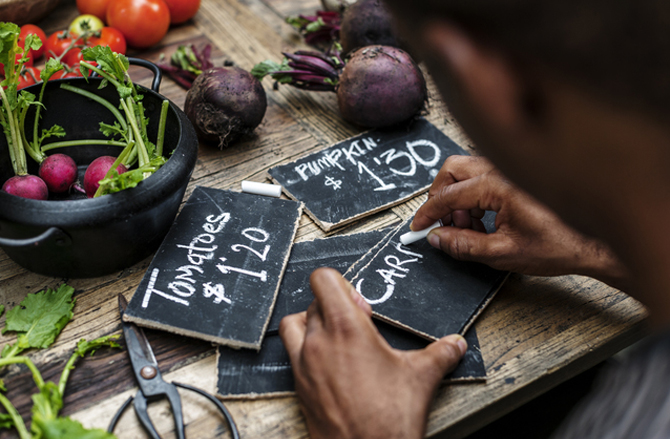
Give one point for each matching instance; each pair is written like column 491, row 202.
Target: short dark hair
column 619, row 48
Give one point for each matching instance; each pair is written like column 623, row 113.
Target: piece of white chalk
column 269, row 190
column 411, row 237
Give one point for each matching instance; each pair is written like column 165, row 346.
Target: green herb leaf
column 39, row 318
column 52, row 66
column 6, row 421
column 67, row 428
column 269, row 67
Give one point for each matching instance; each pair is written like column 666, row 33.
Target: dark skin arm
column 350, row 382
column 529, row 238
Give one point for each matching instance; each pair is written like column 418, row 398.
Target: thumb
column 440, row 357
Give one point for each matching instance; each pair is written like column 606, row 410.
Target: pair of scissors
column 152, row 386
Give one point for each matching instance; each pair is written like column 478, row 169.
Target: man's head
column 568, row 98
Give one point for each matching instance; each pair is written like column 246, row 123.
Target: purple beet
column 27, row 186
column 96, row 171
column 367, row 23
column 59, row 172
column 225, row 103
column 380, row 86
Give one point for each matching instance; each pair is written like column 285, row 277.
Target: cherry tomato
column 143, row 22
column 72, row 57
column 58, row 42
column 28, row 29
column 29, row 76
column 111, row 37
column 94, row 7
column 182, row 10
column 84, row 23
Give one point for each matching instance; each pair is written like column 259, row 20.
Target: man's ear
column 484, row 79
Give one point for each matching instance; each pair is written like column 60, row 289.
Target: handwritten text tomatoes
column 142, row 22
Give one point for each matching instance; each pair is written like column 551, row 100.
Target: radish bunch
column 378, row 86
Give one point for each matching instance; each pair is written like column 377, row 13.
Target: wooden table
column 536, row 333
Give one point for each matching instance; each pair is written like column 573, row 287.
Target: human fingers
column 292, row 329
column 439, row 358
column 484, row 192
column 334, row 296
column 458, row 168
column 468, row 244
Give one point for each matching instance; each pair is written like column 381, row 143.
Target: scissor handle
column 142, row 414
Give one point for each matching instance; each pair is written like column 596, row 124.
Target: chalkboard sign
column 217, row 273
column 268, row 373
column 338, row 252
column 422, row 289
column 366, row 173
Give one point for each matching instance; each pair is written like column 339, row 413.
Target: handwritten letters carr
column 217, row 273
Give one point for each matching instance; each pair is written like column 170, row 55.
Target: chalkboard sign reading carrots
column 366, row 173
column 217, row 273
column 422, row 289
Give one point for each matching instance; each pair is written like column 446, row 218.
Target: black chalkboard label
column 217, row 273
column 247, row 374
column 268, row 373
column 422, row 289
column 366, row 173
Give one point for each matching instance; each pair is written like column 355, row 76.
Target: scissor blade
column 137, row 343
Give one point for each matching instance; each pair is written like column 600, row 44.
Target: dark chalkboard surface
column 268, row 373
column 217, row 273
column 366, row 173
column 423, row 290
column 338, row 252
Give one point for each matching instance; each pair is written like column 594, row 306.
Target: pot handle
column 51, row 234
column 158, row 76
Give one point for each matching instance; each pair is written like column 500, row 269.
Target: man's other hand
column 350, row 382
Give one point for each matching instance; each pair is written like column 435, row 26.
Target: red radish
column 96, row 171
column 27, row 186
column 59, row 172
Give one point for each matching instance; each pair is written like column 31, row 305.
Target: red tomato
column 94, row 7
column 28, row 29
column 58, row 42
column 142, row 22
column 111, row 37
column 29, row 76
column 182, row 10
column 72, row 57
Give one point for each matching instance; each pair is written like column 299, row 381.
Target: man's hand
column 529, row 238
column 350, row 382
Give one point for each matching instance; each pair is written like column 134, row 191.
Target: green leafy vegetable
column 39, row 319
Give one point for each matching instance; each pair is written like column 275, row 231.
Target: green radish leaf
column 6, row 421
column 52, row 66
column 84, row 347
column 39, row 318
column 112, row 130
column 66, row 428
column 54, row 131
column 48, row 402
column 2, row 309
column 2, row 386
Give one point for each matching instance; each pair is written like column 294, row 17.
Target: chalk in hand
column 269, row 190
column 411, row 237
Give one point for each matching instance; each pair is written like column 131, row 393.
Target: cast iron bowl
column 76, row 238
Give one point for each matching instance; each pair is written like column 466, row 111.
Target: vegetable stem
column 65, row 375
column 99, row 100
column 101, row 73
column 21, row 167
column 142, row 153
column 16, row 417
column 84, row 142
column 37, row 377
column 161, row 127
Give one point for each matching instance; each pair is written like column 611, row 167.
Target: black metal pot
column 76, row 238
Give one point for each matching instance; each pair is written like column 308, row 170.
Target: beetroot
column 96, row 171
column 27, row 186
column 379, row 86
column 225, row 103
column 59, row 172
column 367, row 23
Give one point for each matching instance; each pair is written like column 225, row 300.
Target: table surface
column 536, row 333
